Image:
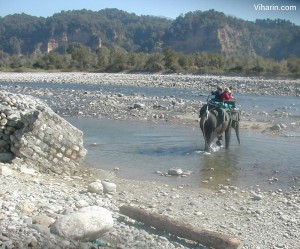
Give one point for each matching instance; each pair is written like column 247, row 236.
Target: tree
column 53, row 60
column 293, row 65
column 103, row 57
column 3, row 59
column 155, row 63
column 170, row 59
column 137, row 61
column 81, row 55
column 184, row 61
column 118, row 60
column 15, row 61
column 15, row 45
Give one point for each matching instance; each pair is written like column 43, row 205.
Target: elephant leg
column 209, row 135
column 220, row 140
column 207, row 147
column 208, row 142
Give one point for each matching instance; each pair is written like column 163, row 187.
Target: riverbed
column 165, row 128
column 163, row 133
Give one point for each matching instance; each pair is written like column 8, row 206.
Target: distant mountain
column 216, row 32
column 193, row 32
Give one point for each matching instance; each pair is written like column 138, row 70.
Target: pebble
column 175, row 172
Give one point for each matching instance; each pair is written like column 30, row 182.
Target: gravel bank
column 144, row 108
column 259, row 85
column 260, row 220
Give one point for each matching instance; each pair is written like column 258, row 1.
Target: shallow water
column 140, row 149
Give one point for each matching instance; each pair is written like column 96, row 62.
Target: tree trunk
column 181, row 229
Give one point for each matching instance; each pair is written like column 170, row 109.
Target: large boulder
column 31, row 131
column 88, row 224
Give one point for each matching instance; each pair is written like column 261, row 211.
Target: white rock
column 283, row 126
column 109, row 187
column 81, row 204
column 27, row 207
column 257, row 197
column 88, row 224
column 43, row 220
column 5, row 171
column 95, row 187
column 28, row 171
column 175, row 172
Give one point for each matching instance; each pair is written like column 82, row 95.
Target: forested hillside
column 22, row 33
column 114, row 40
column 194, row 32
column 214, row 31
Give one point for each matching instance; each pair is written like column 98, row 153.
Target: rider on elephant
column 226, row 98
column 217, row 93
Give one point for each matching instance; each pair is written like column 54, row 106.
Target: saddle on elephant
column 219, row 108
column 225, row 105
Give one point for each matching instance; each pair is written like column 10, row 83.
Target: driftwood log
column 163, row 223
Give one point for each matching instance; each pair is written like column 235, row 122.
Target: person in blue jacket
column 217, row 93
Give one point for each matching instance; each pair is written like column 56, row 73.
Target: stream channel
column 140, row 149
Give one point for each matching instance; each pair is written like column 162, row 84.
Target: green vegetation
column 78, row 57
column 111, row 40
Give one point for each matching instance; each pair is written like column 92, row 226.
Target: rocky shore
column 259, row 85
column 259, row 219
column 135, row 106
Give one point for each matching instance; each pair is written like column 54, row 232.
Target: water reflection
column 220, row 168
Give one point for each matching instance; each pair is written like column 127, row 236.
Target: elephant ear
column 203, row 110
column 236, row 116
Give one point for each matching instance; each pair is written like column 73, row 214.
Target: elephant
column 214, row 121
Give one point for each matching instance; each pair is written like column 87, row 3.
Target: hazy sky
column 245, row 9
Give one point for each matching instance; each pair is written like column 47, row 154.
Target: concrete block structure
column 31, row 131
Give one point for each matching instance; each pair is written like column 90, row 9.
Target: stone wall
column 32, row 132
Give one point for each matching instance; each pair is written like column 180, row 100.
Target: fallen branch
column 181, row 229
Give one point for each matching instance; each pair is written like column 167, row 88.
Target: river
column 139, row 149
